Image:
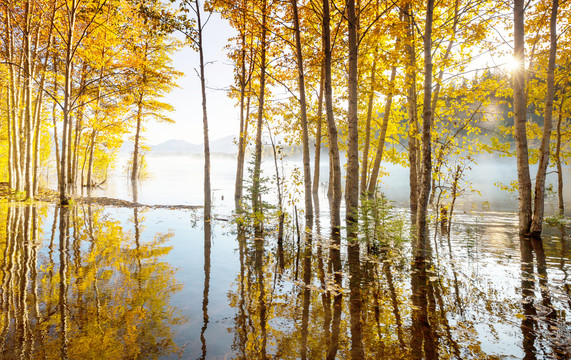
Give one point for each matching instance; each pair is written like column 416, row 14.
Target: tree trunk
column 303, row 119
column 520, row 106
column 352, row 185
column 54, row 112
column 352, row 176
column 382, row 136
column 64, row 200
column 426, row 170
column 90, row 166
column 318, row 139
column 558, row 160
column 256, row 196
column 365, row 161
column 135, row 165
column 334, row 162
column 28, row 127
column 243, row 119
column 410, row 80
column 207, row 190
column 539, row 201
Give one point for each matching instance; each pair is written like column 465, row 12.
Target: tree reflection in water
column 430, row 307
column 91, row 288
column 100, row 294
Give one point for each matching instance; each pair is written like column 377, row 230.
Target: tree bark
column 256, row 186
column 382, row 136
column 71, row 14
column 352, row 175
column 334, row 162
column 365, row 161
column 539, row 200
column 318, row 140
column 426, row 169
column 28, row 127
column 410, row 78
column 558, row 160
column 520, row 106
column 90, row 166
column 303, row 119
column 243, row 119
column 135, row 166
column 207, row 189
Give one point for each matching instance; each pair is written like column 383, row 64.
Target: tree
column 520, row 105
column 539, row 199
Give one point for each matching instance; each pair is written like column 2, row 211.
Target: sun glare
column 512, row 64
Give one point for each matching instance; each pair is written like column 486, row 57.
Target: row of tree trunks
column 24, row 91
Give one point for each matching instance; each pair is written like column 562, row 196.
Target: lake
column 93, row 282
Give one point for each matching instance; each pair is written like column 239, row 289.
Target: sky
column 223, row 115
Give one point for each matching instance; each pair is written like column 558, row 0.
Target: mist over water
column 178, row 180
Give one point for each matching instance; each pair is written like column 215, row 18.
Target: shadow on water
column 88, row 282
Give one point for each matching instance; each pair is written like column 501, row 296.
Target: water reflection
column 339, row 302
column 92, row 291
column 207, row 250
column 86, row 282
column 539, row 316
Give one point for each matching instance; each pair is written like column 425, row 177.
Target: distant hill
column 222, row 146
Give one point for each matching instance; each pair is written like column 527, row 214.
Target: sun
column 512, row 64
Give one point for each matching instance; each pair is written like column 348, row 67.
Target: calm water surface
column 92, row 282
column 89, row 282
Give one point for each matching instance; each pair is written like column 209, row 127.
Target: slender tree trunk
column 38, row 108
column 256, row 196
column 558, row 160
column 539, row 201
column 352, row 176
column 64, row 200
column 303, row 119
column 11, row 168
column 365, row 161
column 90, row 166
column 28, row 127
column 243, row 119
column 524, row 180
column 74, row 151
column 410, row 78
column 135, row 166
column 382, row 136
column 54, row 120
column 207, row 190
column 318, row 140
column 352, row 184
column 426, row 170
column 9, row 98
column 334, row 162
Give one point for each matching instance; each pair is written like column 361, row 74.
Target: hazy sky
column 187, row 100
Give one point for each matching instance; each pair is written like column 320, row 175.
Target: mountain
column 222, row 146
